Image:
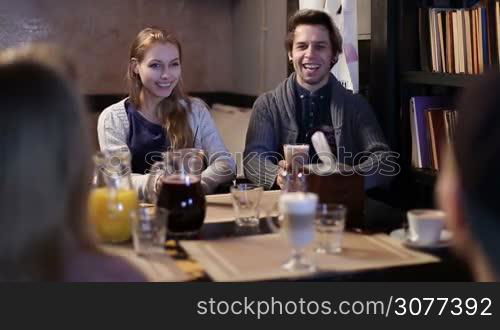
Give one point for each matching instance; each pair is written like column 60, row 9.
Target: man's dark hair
column 314, row 17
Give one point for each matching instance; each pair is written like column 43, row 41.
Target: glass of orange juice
column 113, row 202
column 112, row 212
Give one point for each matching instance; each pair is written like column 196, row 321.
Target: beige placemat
column 220, row 207
column 260, row 257
column 157, row 267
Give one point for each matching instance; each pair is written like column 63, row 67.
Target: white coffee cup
column 425, row 225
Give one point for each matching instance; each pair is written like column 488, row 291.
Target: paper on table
column 255, row 258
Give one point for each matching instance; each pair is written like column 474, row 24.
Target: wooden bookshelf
column 414, row 81
column 395, row 61
column 437, row 79
column 425, row 176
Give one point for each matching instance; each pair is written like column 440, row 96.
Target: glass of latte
column 298, row 210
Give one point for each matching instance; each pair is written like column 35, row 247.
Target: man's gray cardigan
column 273, row 124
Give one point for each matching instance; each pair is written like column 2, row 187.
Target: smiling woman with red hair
column 158, row 115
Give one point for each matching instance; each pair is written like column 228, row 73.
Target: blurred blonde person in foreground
column 468, row 185
column 47, row 54
column 45, row 179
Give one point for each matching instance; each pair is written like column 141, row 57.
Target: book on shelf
column 441, row 122
column 456, row 42
column 485, row 35
column 497, row 27
column 497, row 20
column 435, row 124
column 450, row 125
column 424, row 42
column 460, row 40
column 468, row 41
column 432, row 30
column 421, row 155
column 492, row 30
column 475, row 62
column 450, row 63
column 480, row 56
column 460, row 37
column 441, row 38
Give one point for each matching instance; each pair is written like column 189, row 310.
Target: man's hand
column 284, row 167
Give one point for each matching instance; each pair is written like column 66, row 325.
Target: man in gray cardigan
column 312, row 99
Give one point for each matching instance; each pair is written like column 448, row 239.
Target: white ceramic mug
column 425, row 225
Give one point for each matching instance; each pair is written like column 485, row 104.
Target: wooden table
column 219, row 229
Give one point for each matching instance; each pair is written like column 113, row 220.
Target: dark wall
column 99, row 33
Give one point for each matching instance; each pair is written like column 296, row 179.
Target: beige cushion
column 232, row 123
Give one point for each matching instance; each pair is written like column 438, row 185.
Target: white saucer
column 444, row 242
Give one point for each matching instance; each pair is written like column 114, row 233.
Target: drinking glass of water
column 149, row 230
column 330, row 224
column 246, row 199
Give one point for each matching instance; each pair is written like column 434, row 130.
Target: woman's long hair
column 44, row 172
column 171, row 111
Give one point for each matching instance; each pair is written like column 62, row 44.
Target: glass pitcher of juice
column 181, row 193
column 113, row 201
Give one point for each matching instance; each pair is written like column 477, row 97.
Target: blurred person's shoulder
column 86, row 266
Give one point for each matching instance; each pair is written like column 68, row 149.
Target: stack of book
column 433, row 126
column 460, row 40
